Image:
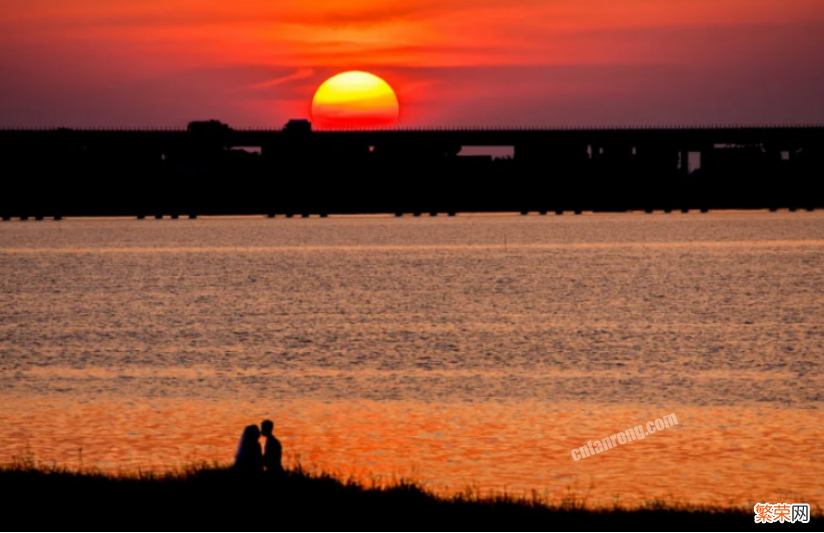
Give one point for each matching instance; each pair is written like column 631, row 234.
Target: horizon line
column 414, row 129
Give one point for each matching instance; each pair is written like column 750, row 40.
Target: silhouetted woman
column 249, row 458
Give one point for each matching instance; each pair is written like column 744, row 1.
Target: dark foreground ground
column 206, row 498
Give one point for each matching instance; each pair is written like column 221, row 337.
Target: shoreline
column 212, row 494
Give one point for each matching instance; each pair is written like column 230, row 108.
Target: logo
column 767, row 513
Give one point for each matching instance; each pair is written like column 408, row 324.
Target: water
column 468, row 351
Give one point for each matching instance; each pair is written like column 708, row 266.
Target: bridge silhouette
column 212, row 169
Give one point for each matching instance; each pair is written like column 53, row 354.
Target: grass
column 206, row 497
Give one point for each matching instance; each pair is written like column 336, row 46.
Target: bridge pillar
column 684, row 162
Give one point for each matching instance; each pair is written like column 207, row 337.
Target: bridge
column 212, row 169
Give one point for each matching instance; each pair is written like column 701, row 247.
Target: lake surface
column 474, row 351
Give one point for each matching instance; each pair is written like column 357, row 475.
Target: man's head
column 267, row 427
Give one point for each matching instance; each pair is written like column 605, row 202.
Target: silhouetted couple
column 251, row 460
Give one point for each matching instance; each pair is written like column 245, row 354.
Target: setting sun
column 355, row 100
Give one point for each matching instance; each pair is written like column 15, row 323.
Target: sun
column 354, row 100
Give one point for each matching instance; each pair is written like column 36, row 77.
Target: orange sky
column 461, row 62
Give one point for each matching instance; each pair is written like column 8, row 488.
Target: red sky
column 452, row 62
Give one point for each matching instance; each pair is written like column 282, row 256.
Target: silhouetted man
column 273, row 451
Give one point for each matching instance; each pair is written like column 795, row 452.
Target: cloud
column 301, row 74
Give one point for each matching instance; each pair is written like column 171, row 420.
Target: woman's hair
column 249, row 439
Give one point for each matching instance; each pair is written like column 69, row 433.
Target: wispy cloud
column 301, row 74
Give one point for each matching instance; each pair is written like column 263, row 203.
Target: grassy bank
column 206, row 498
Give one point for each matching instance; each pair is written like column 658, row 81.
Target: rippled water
column 468, row 351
